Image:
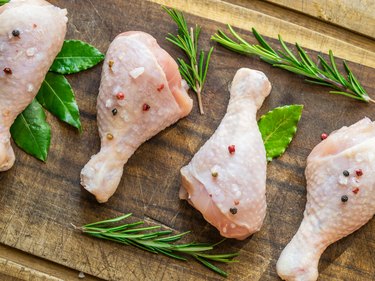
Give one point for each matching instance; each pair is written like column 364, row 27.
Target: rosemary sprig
column 195, row 70
column 157, row 242
column 327, row 74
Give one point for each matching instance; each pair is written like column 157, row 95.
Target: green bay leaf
column 76, row 56
column 2, row 2
column 57, row 96
column 31, row 132
column 278, row 128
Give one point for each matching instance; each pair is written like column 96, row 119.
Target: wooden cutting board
column 39, row 201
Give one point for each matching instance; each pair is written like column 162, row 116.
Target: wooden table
column 346, row 26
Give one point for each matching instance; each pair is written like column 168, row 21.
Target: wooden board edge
column 269, row 26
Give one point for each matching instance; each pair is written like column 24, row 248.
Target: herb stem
column 156, row 241
column 326, row 74
column 195, row 70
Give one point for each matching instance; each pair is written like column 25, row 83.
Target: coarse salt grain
column 30, row 88
column 136, row 72
column 108, row 103
column 30, row 52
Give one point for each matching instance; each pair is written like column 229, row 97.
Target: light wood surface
column 271, row 20
column 357, row 16
column 42, row 228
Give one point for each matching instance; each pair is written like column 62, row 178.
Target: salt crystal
column 136, row 72
column 108, row 103
column 343, row 180
column 30, row 52
column 30, row 88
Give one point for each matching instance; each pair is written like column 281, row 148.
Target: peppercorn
column 7, row 70
column 232, row 149
column 214, row 174
column 146, row 107
column 355, row 190
column 359, row 172
column 233, row 210
column 16, row 33
column 346, row 173
column 324, row 136
column 120, row 96
column 161, row 87
column 111, row 63
column 114, row 111
column 344, row 198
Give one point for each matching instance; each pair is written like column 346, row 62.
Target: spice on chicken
column 120, row 96
column 236, row 202
column 232, row 149
column 346, row 173
column 214, row 174
column 233, row 210
column 16, row 33
column 161, row 87
column 7, row 70
column 111, row 63
column 114, row 111
column 344, row 198
column 109, row 136
column 324, row 136
column 146, row 107
column 359, row 172
column 355, row 190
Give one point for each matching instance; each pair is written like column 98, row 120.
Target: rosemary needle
column 156, row 241
column 195, row 70
column 326, row 75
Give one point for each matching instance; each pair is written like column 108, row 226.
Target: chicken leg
column 141, row 93
column 226, row 179
column 31, row 35
column 340, row 198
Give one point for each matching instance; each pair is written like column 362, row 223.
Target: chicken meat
column 141, row 93
column 226, row 179
column 340, row 198
column 31, row 35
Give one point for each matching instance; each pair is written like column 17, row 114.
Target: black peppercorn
column 233, row 211
column 114, row 111
column 344, row 198
column 7, row 70
column 346, row 173
column 16, row 33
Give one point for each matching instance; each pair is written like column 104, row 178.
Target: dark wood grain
column 39, row 201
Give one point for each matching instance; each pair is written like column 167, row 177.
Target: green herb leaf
column 31, row 132
column 194, row 70
column 76, row 56
column 161, row 242
column 278, row 128
column 325, row 74
column 57, row 97
column 2, row 2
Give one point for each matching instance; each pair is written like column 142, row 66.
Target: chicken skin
column 31, row 35
column 340, row 198
column 226, row 179
column 141, row 93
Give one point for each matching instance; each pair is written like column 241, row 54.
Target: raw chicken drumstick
column 140, row 95
column 226, row 179
column 31, row 35
column 340, row 198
